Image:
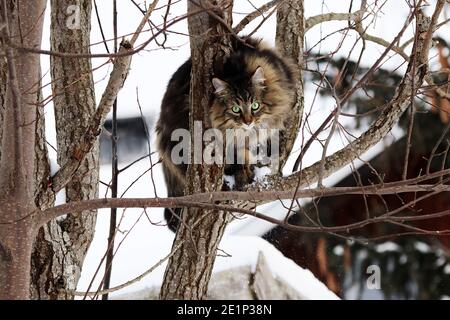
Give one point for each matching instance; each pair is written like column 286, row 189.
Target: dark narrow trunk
column 114, row 178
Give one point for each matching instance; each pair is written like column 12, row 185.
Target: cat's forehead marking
column 242, row 94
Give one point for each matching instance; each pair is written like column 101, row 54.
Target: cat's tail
column 172, row 216
column 174, row 189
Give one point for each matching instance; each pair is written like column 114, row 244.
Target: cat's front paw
column 244, row 176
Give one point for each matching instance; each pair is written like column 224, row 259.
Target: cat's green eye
column 255, row 105
column 236, row 109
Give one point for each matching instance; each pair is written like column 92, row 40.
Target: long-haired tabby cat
column 253, row 89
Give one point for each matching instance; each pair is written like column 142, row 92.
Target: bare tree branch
column 255, row 14
column 332, row 16
column 199, row 199
column 115, row 83
column 412, row 80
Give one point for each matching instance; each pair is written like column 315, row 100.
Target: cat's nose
column 248, row 120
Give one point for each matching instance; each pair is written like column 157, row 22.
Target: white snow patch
column 245, row 251
column 54, row 166
column 338, row 250
column 362, row 255
column 387, row 246
column 60, row 197
column 230, row 181
column 447, row 268
column 440, row 261
column 261, row 173
column 422, row 247
column 403, row 259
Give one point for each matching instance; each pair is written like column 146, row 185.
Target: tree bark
column 41, row 178
column 290, row 35
column 24, row 25
column 62, row 244
column 3, row 79
column 189, row 269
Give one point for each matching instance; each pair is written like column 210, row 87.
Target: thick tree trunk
column 24, row 27
column 189, row 269
column 16, row 241
column 62, row 244
column 42, row 200
column 289, row 41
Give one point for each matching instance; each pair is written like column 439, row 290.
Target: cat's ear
column 258, row 78
column 219, row 85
